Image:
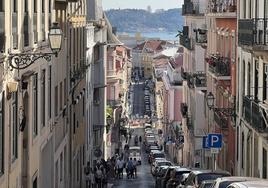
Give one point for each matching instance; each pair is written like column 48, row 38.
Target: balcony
column 189, row 8
column 221, row 120
column 114, row 103
column 183, row 74
column 184, row 110
column 185, row 41
column 200, row 79
column 253, row 33
column 220, row 67
column 200, row 36
column 222, row 8
column 190, row 81
column 26, row 29
column 252, row 114
column 2, row 32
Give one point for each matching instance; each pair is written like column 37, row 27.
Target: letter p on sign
column 215, row 140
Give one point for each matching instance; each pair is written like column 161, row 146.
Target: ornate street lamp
column 226, row 111
column 210, row 100
column 24, row 60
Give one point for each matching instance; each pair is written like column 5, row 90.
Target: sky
column 141, row 4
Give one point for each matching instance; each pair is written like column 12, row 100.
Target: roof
column 183, row 169
column 151, row 45
column 236, row 178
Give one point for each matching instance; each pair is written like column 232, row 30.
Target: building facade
column 251, row 103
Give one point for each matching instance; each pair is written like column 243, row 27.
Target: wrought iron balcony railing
column 2, row 31
column 184, row 109
column 190, row 81
column 187, row 7
column 186, row 42
column 200, row 36
column 184, row 74
column 221, row 6
column 220, row 66
column 252, row 113
column 221, row 120
column 253, row 32
column 200, row 79
column 114, row 103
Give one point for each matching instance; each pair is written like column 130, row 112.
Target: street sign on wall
column 214, row 140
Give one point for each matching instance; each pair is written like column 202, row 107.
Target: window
column 264, row 164
column 65, row 91
column 2, row 133
column 35, row 182
column 265, row 81
column 242, row 150
column 14, row 125
column 56, row 101
column 56, row 174
column 74, row 122
column 96, row 53
column 61, row 97
column 61, row 166
column 49, row 92
column 2, row 5
column 249, row 79
column 43, row 6
column 15, row 6
column 49, row 6
column 96, row 96
column 256, row 85
column 26, row 5
column 43, row 93
column 35, row 104
column 35, row 6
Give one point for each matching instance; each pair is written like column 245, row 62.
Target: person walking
column 119, row 167
column 130, row 168
column 98, row 175
column 135, row 164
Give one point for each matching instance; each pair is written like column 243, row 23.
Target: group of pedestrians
column 98, row 176
column 130, row 165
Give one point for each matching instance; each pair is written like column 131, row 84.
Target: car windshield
column 209, row 176
column 164, row 163
column 159, row 155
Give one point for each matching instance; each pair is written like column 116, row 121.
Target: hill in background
column 139, row 20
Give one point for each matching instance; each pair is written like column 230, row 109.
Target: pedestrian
column 130, row 168
column 120, row 167
column 98, row 175
column 135, row 164
column 92, row 179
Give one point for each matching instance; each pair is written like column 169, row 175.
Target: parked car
column 206, row 184
column 135, row 152
column 161, row 171
column 225, row 181
column 176, row 177
column 250, row 184
column 163, row 181
column 159, row 163
column 196, row 177
column 155, row 154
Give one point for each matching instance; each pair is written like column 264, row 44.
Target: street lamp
column 24, row 60
column 226, row 111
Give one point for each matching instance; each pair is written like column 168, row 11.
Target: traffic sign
column 214, row 140
column 214, row 150
column 205, row 142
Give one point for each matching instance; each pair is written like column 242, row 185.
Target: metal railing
column 252, row 114
column 114, row 103
column 190, row 81
column 187, row 7
column 184, row 109
column 220, row 66
column 221, row 120
column 200, row 79
column 2, row 31
column 253, row 31
column 186, row 42
column 221, row 6
column 183, row 74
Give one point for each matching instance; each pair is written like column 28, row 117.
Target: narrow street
column 138, row 99
column 145, row 178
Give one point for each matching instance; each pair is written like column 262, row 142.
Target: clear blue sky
column 142, row 4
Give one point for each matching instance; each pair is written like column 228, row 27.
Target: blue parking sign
column 214, row 140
